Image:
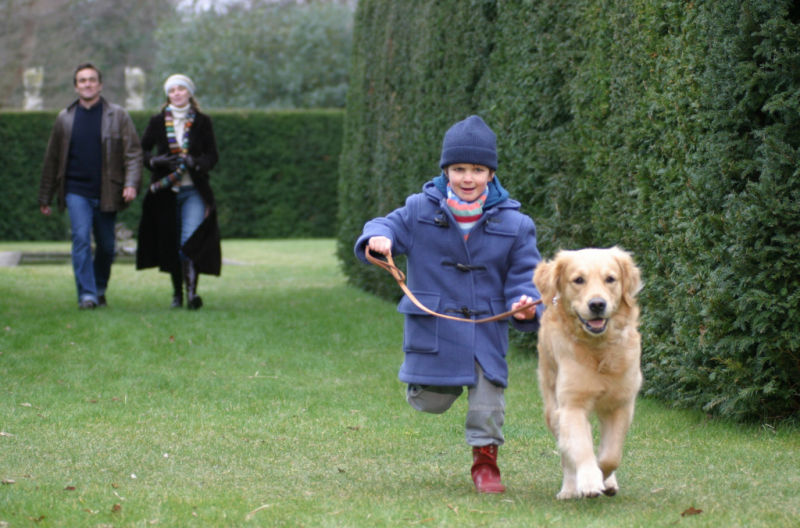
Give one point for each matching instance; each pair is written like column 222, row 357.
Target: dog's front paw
column 566, row 494
column 589, row 482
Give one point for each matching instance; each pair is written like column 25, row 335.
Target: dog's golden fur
column 589, row 361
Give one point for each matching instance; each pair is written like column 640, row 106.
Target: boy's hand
column 380, row 244
column 530, row 313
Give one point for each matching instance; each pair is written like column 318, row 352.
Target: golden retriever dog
column 589, row 356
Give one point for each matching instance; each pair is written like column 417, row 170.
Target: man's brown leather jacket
column 122, row 157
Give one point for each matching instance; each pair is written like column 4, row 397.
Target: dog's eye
column 578, row 280
column 610, row 280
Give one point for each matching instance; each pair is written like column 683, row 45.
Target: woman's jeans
column 85, row 217
column 191, row 211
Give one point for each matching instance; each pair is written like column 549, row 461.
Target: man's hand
column 45, row 209
column 128, row 194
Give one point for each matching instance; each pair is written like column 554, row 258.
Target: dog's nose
column 597, row 305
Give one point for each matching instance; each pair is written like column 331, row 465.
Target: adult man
column 94, row 165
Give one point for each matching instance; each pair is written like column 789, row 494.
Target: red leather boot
column 485, row 472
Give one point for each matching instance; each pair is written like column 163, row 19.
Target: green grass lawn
column 277, row 404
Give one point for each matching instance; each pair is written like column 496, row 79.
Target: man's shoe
column 101, row 300
column 87, row 304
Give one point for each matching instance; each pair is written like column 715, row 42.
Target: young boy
column 470, row 253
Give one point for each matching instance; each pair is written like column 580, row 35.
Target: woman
column 178, row 231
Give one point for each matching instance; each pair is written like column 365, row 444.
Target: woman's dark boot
column 485, row 472
column 193, row 301
column 177, row 289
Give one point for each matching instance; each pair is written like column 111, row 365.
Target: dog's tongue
column 597, row 323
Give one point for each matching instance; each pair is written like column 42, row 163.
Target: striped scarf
column 171, row 179
column 466, row 214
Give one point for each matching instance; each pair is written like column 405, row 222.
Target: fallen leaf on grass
column 3, row 433
column 26, row 404
column 691, row 511
column 69, row 488
column 262, row 507
column 9, row 481
column 37, row 519
column 116, row 508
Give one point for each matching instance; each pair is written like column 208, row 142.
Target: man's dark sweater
column 85, row 160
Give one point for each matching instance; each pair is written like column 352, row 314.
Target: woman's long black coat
column 158, row 237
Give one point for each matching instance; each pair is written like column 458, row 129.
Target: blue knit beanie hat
column 470, row 141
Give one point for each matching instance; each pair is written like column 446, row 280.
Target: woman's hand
column 190, row 162
column 165, row 161
column 380, row 244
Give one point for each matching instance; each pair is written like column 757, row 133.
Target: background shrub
column 669, row 128
column 276, row 177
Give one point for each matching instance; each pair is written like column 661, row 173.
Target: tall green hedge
column 276, row 177
column 670, row 128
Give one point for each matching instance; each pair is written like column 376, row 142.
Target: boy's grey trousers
column 486, row 413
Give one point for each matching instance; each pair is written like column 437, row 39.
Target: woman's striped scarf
column 171, row 179
column 466, row 214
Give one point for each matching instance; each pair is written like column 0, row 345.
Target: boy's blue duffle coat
column 474, row 278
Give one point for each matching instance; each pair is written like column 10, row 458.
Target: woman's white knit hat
column 178, row 79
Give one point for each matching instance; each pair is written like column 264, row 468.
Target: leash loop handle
column 400, row 277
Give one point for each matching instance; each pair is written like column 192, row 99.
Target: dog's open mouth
column 594, row 326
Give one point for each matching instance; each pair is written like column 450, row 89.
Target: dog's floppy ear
column 631, row 277
column 545, row 277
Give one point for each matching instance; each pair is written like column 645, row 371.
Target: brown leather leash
column 400, row 277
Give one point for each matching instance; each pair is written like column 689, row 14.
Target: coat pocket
column 421, row 331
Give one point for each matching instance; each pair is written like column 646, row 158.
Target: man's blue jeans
column 85, row 217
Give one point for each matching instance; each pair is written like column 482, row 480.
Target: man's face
column 88, row 85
